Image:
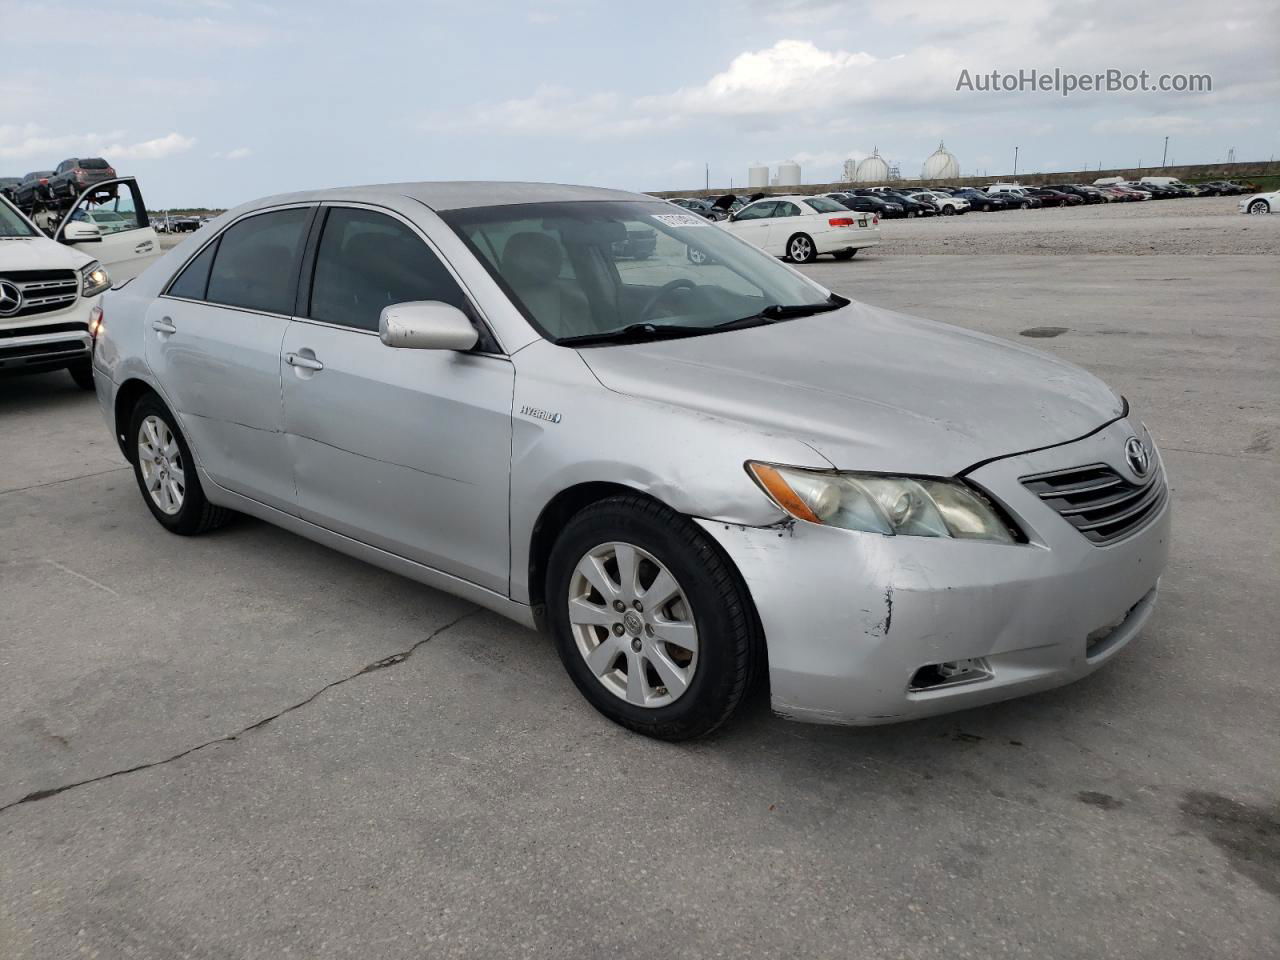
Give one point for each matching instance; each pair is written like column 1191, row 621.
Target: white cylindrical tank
column 757, row 175
column 789, row 174
column 941, row 165
column 872, row 169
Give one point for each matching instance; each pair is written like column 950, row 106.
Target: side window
column 757, row 211
column 256, row 266
column 367, row 261
column 194, row 279
column 785, row 209
column 116, row 208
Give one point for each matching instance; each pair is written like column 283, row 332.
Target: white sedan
column 1261, row 202
column 800, row 228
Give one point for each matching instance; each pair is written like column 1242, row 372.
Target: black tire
column 799, row 256
column 846, row 254
column 1259, row 207
column 82, row 374
column 948, row 211
column 730, row 650
column 196, row 515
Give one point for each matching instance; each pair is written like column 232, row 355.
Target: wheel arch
column 127, row 396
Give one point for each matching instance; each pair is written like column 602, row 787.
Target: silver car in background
column 694, row 468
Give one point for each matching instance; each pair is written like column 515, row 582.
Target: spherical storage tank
column 872, row 169
column 941, row 165
column 789, row 174
column 757, row 175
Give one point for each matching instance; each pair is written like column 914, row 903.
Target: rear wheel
column 846, row 254
column 948, row 211
column 652, row 623
column 166, row 472
column 800, row 249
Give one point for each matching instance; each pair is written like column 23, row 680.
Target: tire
column 1025, row 205
column 194, row 514
column 82, row 374
column 800, row 249
column 1259, row 206
column 948, row 211
column 709, row 596
column 846, row 254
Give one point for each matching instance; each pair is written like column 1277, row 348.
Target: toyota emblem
column 1137, row 457
column 10, row 299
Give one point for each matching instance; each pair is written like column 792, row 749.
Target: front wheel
column 846, row 254
column 652, row 623
column 1259, row 206
column 166, row 472
column 948, row 211
column 800, row 249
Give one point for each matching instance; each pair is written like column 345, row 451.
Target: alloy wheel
column 1259, row 206
column 801, row 249
column 633, row 625
column 163, row 470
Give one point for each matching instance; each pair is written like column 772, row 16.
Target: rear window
column 95, row 163
column 825, row 205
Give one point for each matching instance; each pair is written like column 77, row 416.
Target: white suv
column 50, row 288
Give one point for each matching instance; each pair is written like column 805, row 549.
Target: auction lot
column 283, row 752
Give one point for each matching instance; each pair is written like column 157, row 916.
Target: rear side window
column 367, row 261
column 194, row 280
column 256, row 266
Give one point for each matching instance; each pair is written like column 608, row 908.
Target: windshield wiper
column 635, row 333
column 778, row 311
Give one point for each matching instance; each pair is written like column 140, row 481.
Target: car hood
column 869, row 389
column 39, row 253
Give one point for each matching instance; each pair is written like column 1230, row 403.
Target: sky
column 215, row 102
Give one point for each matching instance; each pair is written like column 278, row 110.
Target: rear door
column 407, row 450
column 213, row 341
column 126, row 243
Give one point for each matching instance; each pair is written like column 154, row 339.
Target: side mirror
column 426, row 325
column 77, row 231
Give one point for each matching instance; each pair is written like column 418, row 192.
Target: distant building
column 872, row 169
column 941, row 165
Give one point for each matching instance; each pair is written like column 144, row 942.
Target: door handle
column 163, row 325
column 143, row 247
column 306, row 363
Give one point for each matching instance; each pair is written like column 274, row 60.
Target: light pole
column 1165, row 156
column 1015, row 163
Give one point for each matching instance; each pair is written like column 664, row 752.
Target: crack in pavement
column 391, row 661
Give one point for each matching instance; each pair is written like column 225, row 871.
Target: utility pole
column 1015, row 163
column 708, row 173
column 1165, row 156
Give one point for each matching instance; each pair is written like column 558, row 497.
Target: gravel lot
column 1199, row 225
column 246, row 746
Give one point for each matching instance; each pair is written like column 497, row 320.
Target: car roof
column 459, row 194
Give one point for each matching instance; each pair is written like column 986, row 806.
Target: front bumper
column 47, row 341
column 850, row 618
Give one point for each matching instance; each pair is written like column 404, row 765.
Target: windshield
column 12, row 223
column 585, row 268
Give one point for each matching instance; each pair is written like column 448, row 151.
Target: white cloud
column 34, row 143
column 239, row 153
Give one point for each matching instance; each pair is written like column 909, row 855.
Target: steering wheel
column 665, row 290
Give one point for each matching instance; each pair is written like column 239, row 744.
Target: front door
column 213, row 340
column 751, row 223
column 407, row 450
column 126, row 243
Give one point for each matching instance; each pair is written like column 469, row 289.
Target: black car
column 910, row 208
column 979, row 200
column 1087, row 194
column 33, row 189
column 886, row 209
column 702, row 207
column 1055, row 198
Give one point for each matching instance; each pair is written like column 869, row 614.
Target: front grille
column 1097, row 501
column 43, row 291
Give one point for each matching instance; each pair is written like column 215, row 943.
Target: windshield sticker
column 680, row 219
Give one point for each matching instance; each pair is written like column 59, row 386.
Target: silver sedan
column 604, row 417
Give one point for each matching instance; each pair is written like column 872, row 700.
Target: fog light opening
column 950, row 673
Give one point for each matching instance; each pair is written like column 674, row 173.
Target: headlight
column 874, row 503
column 94, row 279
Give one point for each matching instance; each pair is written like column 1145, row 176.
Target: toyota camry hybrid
column 692, row 471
